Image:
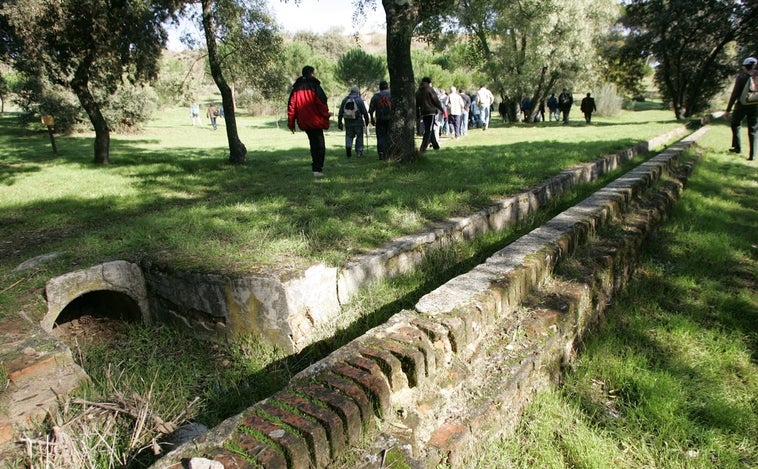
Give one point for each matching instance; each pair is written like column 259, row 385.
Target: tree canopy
column 530, row 47
column 356, row 67
column 87, row 46
column 692, row 41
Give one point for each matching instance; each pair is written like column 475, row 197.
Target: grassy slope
column 671, row 379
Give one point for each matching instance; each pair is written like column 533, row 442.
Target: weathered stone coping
column 394, row 368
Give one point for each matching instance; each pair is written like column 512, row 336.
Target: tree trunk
column 237, row 149
column 80, row 87
column 401, row 22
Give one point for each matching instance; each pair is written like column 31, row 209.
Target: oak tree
column 89, row 47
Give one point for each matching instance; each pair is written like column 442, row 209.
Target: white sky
column 316, row 16
column 322, row 15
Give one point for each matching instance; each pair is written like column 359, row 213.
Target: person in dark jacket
column 308, row 108
column 356, row 121
column 380, row 112
column 565, row 101
column 588, row 107
column 427, row 106
column 552, row 105
column 742, row 111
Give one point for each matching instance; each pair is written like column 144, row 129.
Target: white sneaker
column 318, row 174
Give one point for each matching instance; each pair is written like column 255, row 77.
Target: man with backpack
column 353, row 112
column 565, row 101
column 744, row 98
column 380, row 112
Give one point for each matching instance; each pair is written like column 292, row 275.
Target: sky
column 319, row 16
column 316, row 16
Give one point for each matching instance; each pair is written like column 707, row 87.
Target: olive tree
column 531, row 47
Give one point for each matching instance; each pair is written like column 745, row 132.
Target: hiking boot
column 318, row 174
column 359, row 154
column 734, row 150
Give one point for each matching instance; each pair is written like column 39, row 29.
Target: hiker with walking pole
column 353, row 112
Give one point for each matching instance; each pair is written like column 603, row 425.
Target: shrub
column 130, row 107
column 608, row 101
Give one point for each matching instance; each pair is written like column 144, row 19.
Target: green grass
column 170, row 197
column 670, row 380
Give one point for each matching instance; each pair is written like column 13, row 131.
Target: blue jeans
column 485, row 116
column 354, row 131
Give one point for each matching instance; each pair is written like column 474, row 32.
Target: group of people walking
column 435, row 109
column 212, row 113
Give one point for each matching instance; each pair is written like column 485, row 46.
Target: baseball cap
column 750, row 61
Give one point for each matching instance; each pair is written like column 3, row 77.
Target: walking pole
column 367, row 135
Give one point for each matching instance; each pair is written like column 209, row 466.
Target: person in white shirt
column 455, row 104
column 484, row 99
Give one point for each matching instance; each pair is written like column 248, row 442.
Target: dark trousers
column 588, row 117
column 318, row 149
column 565, row 112
column 455, row 121
column 382, row 132
column 751, row 113
column 429, row 134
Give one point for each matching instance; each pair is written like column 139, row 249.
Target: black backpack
column 350, row 110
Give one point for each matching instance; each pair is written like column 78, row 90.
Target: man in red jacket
column 307, row 106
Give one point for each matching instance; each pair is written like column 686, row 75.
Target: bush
column 608, row 101
column 130, row 107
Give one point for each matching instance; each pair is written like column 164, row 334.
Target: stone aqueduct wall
column 288, row 310
column 403, row 384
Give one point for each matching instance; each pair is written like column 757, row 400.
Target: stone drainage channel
column 438, row 383
column 423, row 381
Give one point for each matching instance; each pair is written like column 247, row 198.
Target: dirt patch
column 87, row 331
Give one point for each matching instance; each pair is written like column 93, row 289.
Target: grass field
column 669, row 381
column 170, row 196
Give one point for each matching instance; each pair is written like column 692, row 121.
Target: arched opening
column 96, row 317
